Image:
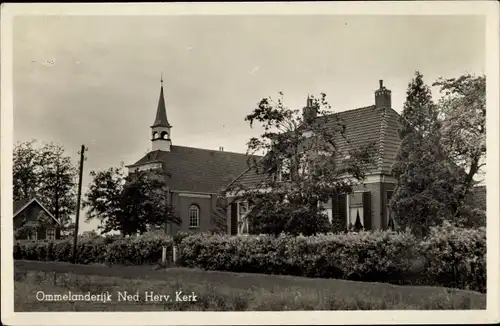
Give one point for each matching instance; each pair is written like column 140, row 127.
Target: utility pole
column 82, row 158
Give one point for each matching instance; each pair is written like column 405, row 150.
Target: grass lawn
column 219, row 291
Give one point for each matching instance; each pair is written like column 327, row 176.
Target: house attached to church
column 374, row 124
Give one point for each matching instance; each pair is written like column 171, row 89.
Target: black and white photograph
column 242, row 163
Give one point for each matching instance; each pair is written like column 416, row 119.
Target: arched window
column 194, row 216
column 155, row 135
column 164, row 135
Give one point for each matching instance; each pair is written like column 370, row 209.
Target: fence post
column 164, row 255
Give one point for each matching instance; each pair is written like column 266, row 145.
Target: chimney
column 221, row 149
column 382, row 97
column 309, row 112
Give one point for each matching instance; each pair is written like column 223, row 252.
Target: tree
column 128, row 204
column 463, row 115
column 46, row 172
column 57, row 186
column 302, row 166
column 26, row 170
column 425, row 194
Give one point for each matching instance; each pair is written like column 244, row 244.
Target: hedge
column 377, row 256
column 449, row 256
column 146, row 249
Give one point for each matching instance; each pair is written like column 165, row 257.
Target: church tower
column 160, row 130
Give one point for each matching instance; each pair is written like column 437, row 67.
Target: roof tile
column 366, row 125
column 198, row 170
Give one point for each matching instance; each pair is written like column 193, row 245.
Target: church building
column 198, row 178
column 195, row 177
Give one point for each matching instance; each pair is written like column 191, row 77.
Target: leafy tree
column 26, row 170
column 57, row 186
column 302, row 167
column 463, row 114
column 46, row 172
column 128, row 204
column 425, row 194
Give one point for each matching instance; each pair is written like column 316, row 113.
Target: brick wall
column 182, row 205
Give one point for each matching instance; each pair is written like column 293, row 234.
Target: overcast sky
column 95, row 80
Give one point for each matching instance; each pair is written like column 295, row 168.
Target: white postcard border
column 489, row 9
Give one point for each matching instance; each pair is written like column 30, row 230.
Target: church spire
column 161, row 112
column 160, row 130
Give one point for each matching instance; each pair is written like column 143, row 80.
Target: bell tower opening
column 160, row 130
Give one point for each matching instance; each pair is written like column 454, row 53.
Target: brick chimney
column 383, row 96
column 309, row 112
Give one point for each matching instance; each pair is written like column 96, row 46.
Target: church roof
column 198, row 170
column 161, row 112
column 366, row 125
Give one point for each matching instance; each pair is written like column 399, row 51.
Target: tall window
column 194, row 216
column 243, row 210
column 355, row 211
column 50, row 234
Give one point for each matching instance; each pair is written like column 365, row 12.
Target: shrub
column 179, row 236
column 145, row 249
column 456, row 257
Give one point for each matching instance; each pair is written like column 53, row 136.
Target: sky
column 95, row 80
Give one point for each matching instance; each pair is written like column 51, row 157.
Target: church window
column 164, row 135
column 194, row 216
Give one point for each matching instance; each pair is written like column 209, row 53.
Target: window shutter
column 342, row 209
column 367, row 210
column 234, row 218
